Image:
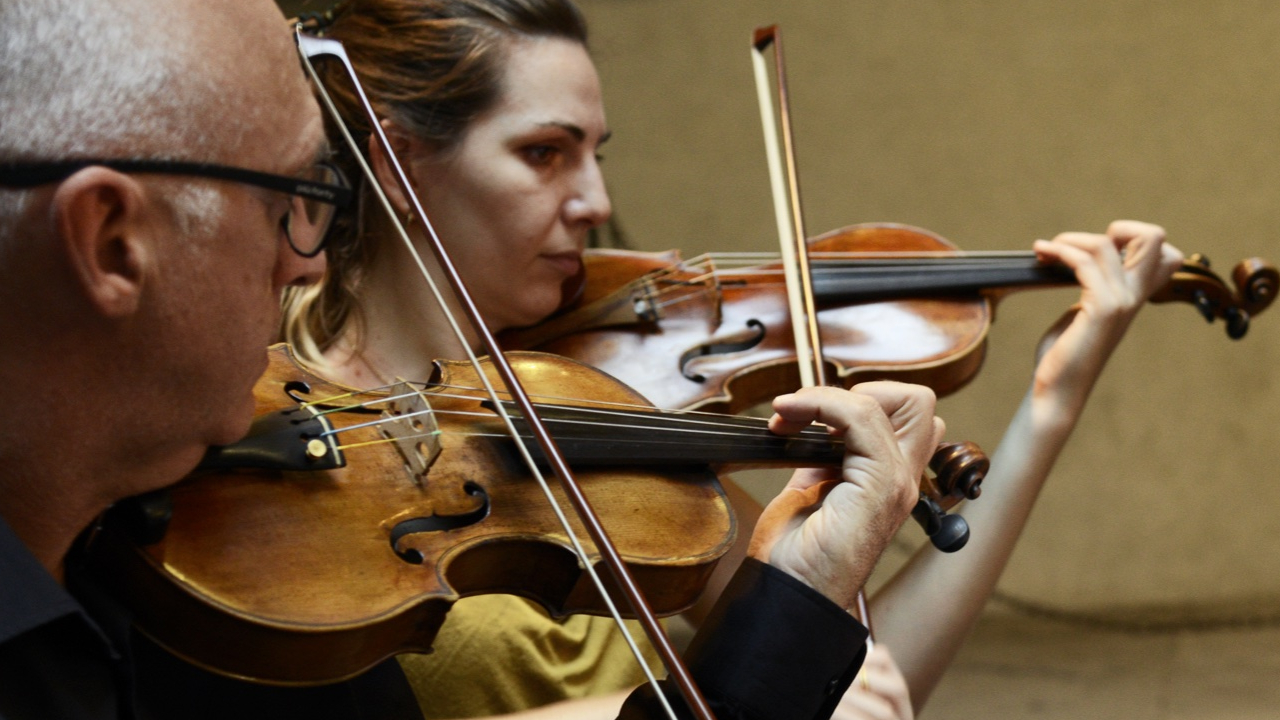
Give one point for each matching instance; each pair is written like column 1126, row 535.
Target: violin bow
column 786, row 207
column 311, row 47
column 791, row 234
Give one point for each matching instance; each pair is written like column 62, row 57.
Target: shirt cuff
column 773, row 648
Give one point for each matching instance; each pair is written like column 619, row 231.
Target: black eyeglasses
column 315, row 198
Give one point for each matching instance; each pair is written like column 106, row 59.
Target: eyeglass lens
column 310, row 219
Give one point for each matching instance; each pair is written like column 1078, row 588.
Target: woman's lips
column 567, row 263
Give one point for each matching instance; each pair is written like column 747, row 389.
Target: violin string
column 869, row 267
column 619, row 410
column 763, row 263
column 704, row 272
column 705, row 440
column 547, row 401
column 729, row 443
column 701, row 424
column 687, row 289
column 725, row 435
column 756, row 258
column 694, row 422
column 740, row 260
column 385, row 440
column 311, row 404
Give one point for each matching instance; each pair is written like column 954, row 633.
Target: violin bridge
column 410, row 423
column 713, row 282
column 643, row 302
column 697, row 281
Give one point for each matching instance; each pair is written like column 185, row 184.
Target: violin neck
column 846, row 281
column 594, row 437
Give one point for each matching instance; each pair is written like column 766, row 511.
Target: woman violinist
column 496, row 109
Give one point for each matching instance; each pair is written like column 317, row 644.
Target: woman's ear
column 408, row 150
column 99, row 218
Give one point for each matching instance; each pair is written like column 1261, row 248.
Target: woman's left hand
column 1117, row 272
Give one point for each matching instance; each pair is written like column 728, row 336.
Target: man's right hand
column 828, row 527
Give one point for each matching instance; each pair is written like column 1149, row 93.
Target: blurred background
column 992, row 123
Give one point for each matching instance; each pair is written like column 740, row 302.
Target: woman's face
column 514, row 199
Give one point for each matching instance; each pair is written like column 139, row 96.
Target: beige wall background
column 994, row 122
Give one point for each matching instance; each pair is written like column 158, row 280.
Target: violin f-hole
column 714, row 347
column 295, row 389
column 438, row 523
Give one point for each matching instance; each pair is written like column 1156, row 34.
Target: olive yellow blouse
column 500, row 653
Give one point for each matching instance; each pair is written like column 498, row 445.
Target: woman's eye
column 541, row 154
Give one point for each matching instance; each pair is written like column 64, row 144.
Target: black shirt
column 772, row 649
column 55, row 661
column 72, row 654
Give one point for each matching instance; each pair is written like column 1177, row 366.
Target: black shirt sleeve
column 772, row 649
column 171, row 689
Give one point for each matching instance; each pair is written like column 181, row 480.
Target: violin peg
column 928, row 515
column 1237, row 323
column 948, row 533
column 1202, row 303
column 952, row 535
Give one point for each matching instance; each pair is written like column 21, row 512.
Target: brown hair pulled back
column 432, row 67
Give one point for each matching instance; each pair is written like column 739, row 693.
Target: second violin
column 894, row 302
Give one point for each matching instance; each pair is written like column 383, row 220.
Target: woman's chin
column 529, row 313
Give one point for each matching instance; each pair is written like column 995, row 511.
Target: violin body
column 728, row 345
column 696, row 336
column 318, row 576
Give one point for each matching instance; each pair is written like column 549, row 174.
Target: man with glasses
column 159, row 159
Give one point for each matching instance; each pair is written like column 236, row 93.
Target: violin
column 894, row 302
column 343, row 528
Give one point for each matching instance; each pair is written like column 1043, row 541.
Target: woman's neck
column 401, row 329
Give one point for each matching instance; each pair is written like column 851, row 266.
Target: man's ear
column 99, row 218
column 408, row 149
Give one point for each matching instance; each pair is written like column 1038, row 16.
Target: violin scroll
column 1256, row 282
column 959, row 469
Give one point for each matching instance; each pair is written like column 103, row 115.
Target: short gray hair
column 108, row 78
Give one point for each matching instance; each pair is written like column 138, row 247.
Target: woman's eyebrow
column 577, row 132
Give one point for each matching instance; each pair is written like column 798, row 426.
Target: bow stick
column 791, row 235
